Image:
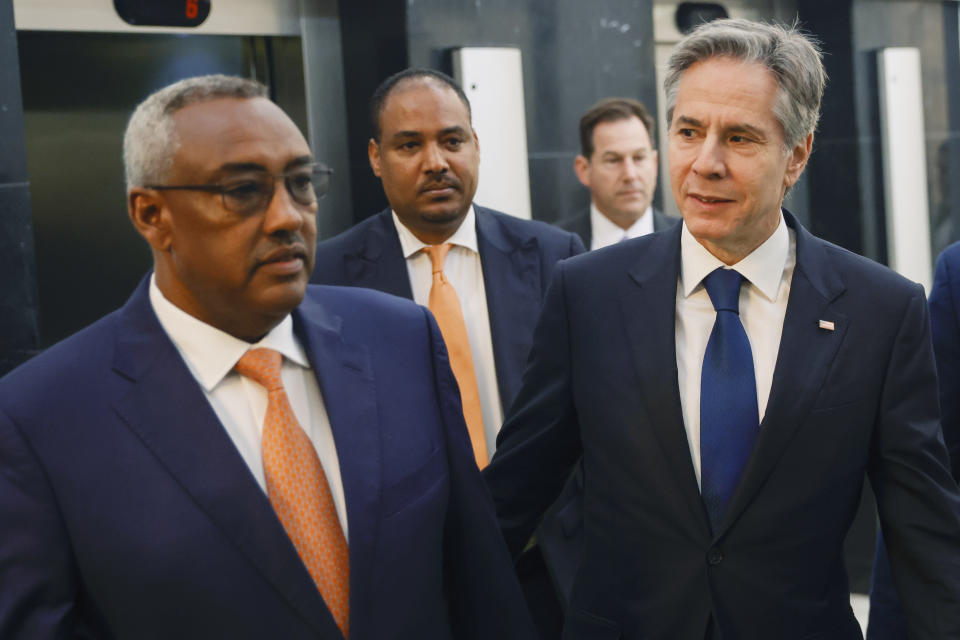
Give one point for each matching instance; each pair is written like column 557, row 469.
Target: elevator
column 83, row 69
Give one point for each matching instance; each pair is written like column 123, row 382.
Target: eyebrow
column 300, row 161
column 402, row 135
column 609, row 153
column 237, row 167
column 750, row 130
column 240, row 167
column 736, row 128
column 454, row 129
column 693, row 122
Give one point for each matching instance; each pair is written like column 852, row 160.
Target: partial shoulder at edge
column 534, row 227
column 951, row 254
column 853, row 266
column 70, row 359
column 349, row 236
column 346, row 300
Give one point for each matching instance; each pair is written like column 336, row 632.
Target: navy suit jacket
column 561, row 533
column 581, row 226
column 517, row 258
column 128, row 513
column 858, row 399
column 886, row 616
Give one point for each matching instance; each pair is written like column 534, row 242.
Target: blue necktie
column 729, row 419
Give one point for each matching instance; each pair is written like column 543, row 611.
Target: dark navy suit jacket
column 561, row 534
column 128, row 513
column 517, row 258
column 886, row 616
column 580, row 225
column 848, row 400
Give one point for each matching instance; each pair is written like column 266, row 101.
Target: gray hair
column 792, row 56
column 150, row 141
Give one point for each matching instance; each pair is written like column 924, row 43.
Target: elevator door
column 78, row 91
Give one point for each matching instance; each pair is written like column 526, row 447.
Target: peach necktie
column 445, row 306
column 298, row 489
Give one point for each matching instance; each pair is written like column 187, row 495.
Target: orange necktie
column 298, row 489
column 445, row 306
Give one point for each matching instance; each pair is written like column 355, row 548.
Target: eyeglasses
column 251, row 192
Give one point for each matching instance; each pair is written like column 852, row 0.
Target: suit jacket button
column 714, row 556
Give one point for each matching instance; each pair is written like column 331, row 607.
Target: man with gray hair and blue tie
column 730, row 384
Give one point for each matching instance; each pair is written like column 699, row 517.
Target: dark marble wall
column 78, row 90
column 573, row 54
column 833, row 174
column 882, row 23
column 946, row 221
column 18, row 299
column 374, row 36
column 846, row 173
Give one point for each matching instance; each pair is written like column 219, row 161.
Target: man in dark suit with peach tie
column 234, row 453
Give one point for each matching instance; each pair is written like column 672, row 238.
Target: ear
column 149, row 215
column 655, row 159
column 373, row 154
column 476, row 140
column 582, row 168
column 797, row 160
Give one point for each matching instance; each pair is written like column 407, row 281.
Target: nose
column 709, row 161
column 435, row 161
column 283, row 214
column 631, row 169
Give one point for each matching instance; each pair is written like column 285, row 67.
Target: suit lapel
column 169, row 412
column 378, row 263
column 652, row 297
column 346, row 381
column 584, row 229
column 662, row 221
column 804, row 358
column 511, row 277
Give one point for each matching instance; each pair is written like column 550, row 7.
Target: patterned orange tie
column 445, row 306
column 298, row 489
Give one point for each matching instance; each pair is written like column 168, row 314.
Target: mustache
column 441, row 182
column 290, row 245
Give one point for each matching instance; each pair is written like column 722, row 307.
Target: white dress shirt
column 463, row 270
column 603, row 232
column 241, row 403
column 767, row 275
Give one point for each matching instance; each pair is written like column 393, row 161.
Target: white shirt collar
column 763, row 267
column 210, row 353
column 604, row 232
column 465, row 236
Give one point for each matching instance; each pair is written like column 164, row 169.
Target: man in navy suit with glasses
column 234, row 453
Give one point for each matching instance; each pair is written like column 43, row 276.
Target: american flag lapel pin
column 826, row 325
